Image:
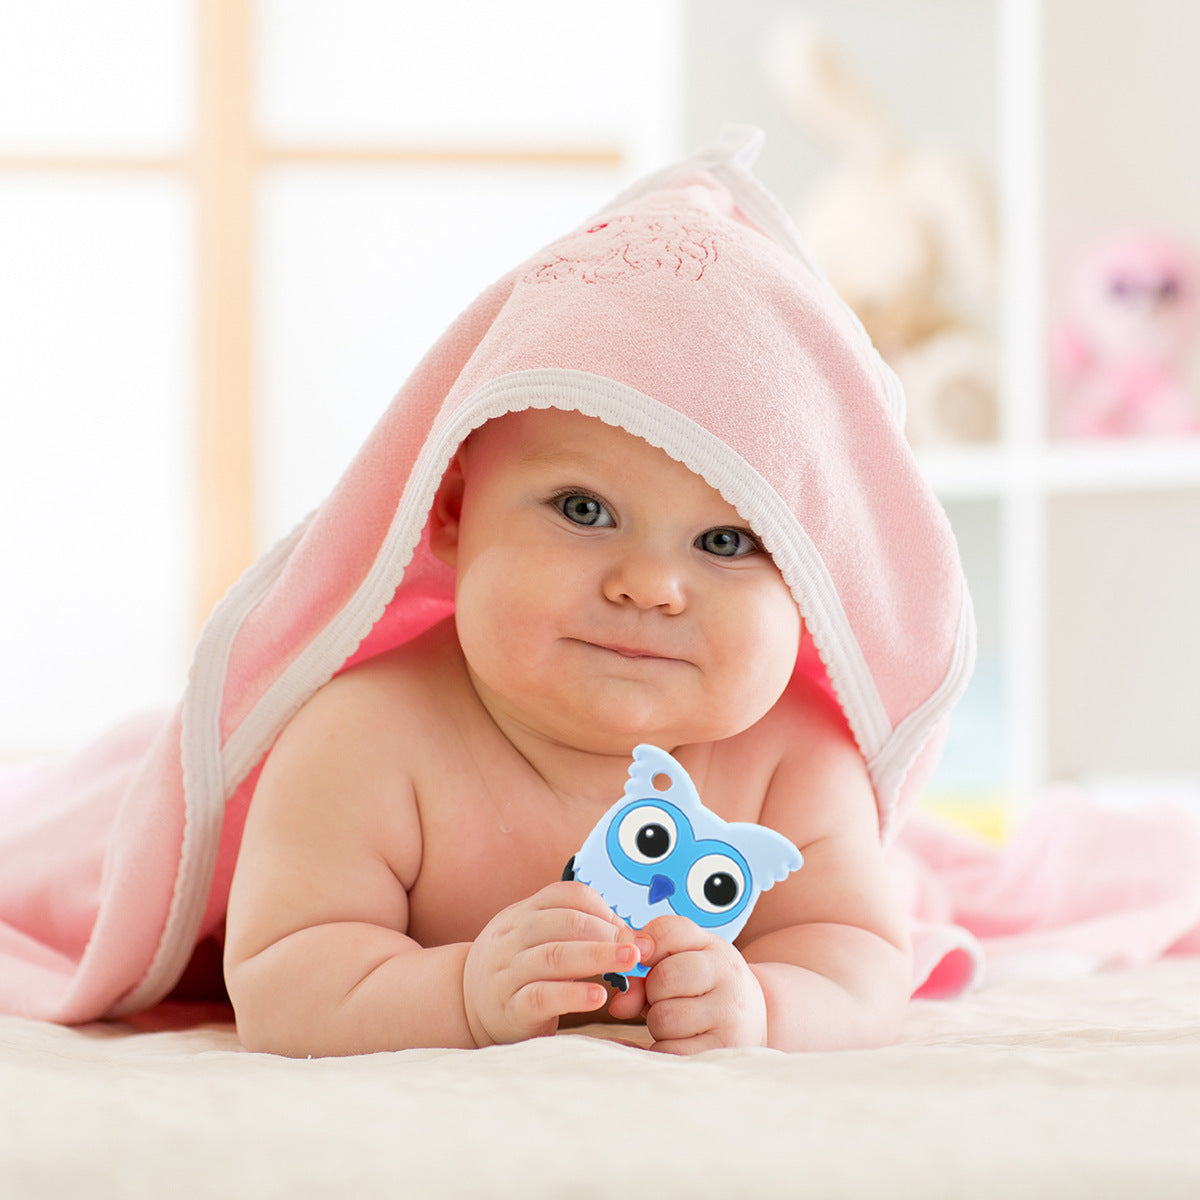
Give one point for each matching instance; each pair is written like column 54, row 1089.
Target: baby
column 652, row 487
column 394, row 882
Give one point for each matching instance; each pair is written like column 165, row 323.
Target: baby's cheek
column 759, row 665
column 492, row 611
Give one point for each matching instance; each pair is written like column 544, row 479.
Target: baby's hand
column 700, row 993
column 529, row 964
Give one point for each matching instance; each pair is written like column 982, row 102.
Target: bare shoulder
column 342, row 769
column 364, row 707
column 409, row 675
column 820, row 797
column 334, row 832
column 819, row 783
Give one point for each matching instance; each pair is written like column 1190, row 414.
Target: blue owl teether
column 658, row 850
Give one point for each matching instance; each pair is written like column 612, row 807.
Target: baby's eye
column 583, row 509
column 728, row 543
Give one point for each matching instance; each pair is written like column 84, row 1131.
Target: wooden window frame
column 222, row 168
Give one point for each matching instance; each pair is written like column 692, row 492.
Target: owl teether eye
column 715, row 883
column 658, row 850
column 647, row 834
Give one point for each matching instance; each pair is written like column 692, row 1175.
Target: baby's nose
column 648, row 580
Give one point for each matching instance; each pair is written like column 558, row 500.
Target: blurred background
column 229, row 228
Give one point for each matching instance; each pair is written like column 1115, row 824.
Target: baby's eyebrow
column 553, row 456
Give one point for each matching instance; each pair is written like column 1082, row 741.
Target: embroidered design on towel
column 625, row 245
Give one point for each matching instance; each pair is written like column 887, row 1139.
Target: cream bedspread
column 1087, row 1087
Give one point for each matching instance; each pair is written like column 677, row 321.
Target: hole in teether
column 661, row 782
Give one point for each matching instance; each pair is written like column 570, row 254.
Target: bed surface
column 1087, row 1087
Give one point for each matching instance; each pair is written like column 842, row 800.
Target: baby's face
column 605, row 594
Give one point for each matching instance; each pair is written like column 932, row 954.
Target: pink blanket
column 688, row 313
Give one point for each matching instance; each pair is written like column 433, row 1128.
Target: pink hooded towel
column 686, row 312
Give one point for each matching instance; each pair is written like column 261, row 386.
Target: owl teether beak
column 660, row 888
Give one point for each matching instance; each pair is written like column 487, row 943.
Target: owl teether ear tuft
column 658, row 850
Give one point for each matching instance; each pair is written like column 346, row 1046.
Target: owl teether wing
column 658, row 850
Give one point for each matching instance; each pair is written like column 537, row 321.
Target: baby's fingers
column 575, row 960
column 670, row 935
column 690, row 1045
column 681, row 1019
column 570, row 894
column 625, row 1006
column 546, row 926
column 539, row 1004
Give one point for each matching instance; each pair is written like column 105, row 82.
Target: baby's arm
column 831, row 953
column 824, row 960
column 317, row 958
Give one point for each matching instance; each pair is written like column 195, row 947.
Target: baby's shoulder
column 348, row 756
column 820, row 769
column 412, row 675
column 360, row 709
column 803, row 739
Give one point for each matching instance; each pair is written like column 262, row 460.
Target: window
column 227, row 232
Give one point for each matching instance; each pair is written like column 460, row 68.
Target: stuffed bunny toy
column 906, row 235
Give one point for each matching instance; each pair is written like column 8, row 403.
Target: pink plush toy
column 1120, row 355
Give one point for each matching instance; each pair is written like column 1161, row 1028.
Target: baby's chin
column 617, row 737
column 609, row 718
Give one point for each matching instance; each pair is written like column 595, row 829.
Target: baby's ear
column 446, row 515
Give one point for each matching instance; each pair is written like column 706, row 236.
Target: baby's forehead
column 560, row 439
column 530, row 433
column 536, row 437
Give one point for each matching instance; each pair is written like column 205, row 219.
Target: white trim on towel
column 889, row 768
column 212, row 774
column 703, row 453
column 683, row 439
column 204, row 789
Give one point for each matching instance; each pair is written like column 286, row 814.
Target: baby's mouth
column 633, row 652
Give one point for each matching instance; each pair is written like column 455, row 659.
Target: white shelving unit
column 1147, row 465
column 1020, row 184
column 1025, row 474
column 1022, row 481
column 1083, row 558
